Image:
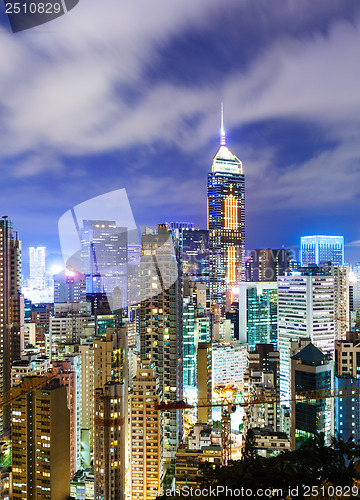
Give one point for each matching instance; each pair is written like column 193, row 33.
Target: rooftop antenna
column 222, row 131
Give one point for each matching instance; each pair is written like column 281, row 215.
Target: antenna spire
column 222, row 131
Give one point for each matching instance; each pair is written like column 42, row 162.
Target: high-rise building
column 347, row 408
column 145, row 435
column 261, row 384
column 228, row 364
column 190, row 343
column 104, row 258
column 266, row 264
column 196, row 325
column 261, row 378
column 258, row 313
column 204, row 380
column 111, row 414
column 341, row 300
column 68, row 371
column 161, row 331
column 110, row 441
column 86, row 356
column 347, row 377
column 194, row 253
column 41, row 444
column 233, row 316
column 311, row 370
column 355, row 288
column 266, row 359
column 41, row 314
column 305, row 309
column 69, row 286
column 110, row 357
column 226, row 224
column 37, row 267
column 11, row 311
column 68, row 325
column 319, row 249
column 347, row 358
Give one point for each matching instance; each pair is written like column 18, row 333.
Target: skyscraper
column 37, row 267
column 41, row 444
column 110, row 438
column 226, row 224
column 258, row 313
column 104, row 258
column 194, row 253
column 318, row 249
column 204, row 380
column 69, row 286
column 111, row 414
column 145, row 435
column 161, row 330
column 305, row 309
column 266, row 264
column 311, row 370
column 341, row 300
column 11, row 310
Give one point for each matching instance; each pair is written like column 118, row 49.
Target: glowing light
column 231, row 212
column 56, row 269
column 231, row 264
column 69, row 273
column 235, row 290
column 352, row 277
column 222, row 131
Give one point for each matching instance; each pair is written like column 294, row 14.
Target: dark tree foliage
column 313, row 464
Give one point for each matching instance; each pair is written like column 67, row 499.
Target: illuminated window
column 231, row 263
column 231, row 212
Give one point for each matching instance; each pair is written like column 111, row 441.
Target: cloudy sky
column 127, row 95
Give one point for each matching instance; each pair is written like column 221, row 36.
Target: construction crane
column 29, row 384
column 229, row 404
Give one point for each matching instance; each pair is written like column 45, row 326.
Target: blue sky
column 127, row 95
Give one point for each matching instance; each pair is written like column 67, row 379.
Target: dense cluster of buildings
column 129, row 407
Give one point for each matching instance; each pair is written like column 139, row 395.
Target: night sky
column 126, row 94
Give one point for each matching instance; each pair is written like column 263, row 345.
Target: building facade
column 11, row 311
column 161, row 329
column 104, row 258
column 110, row 441
column 145, row 435
column 311, row 370
column 69, row 286
column 41, row 444
column 266, row 264
column 319, row 249
column 305, row 309
column 226, row 225
column 258, row 313
column 37, row 267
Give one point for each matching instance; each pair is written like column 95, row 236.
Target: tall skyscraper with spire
column 226, row 223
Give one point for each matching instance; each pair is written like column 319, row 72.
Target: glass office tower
column 258, row 313
column 226, row 224
column 317, row 249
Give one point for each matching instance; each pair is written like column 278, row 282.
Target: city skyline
column 150, row 120
column 181, row 180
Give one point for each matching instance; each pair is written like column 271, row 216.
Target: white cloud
column 60, row 83
column 61, row 89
